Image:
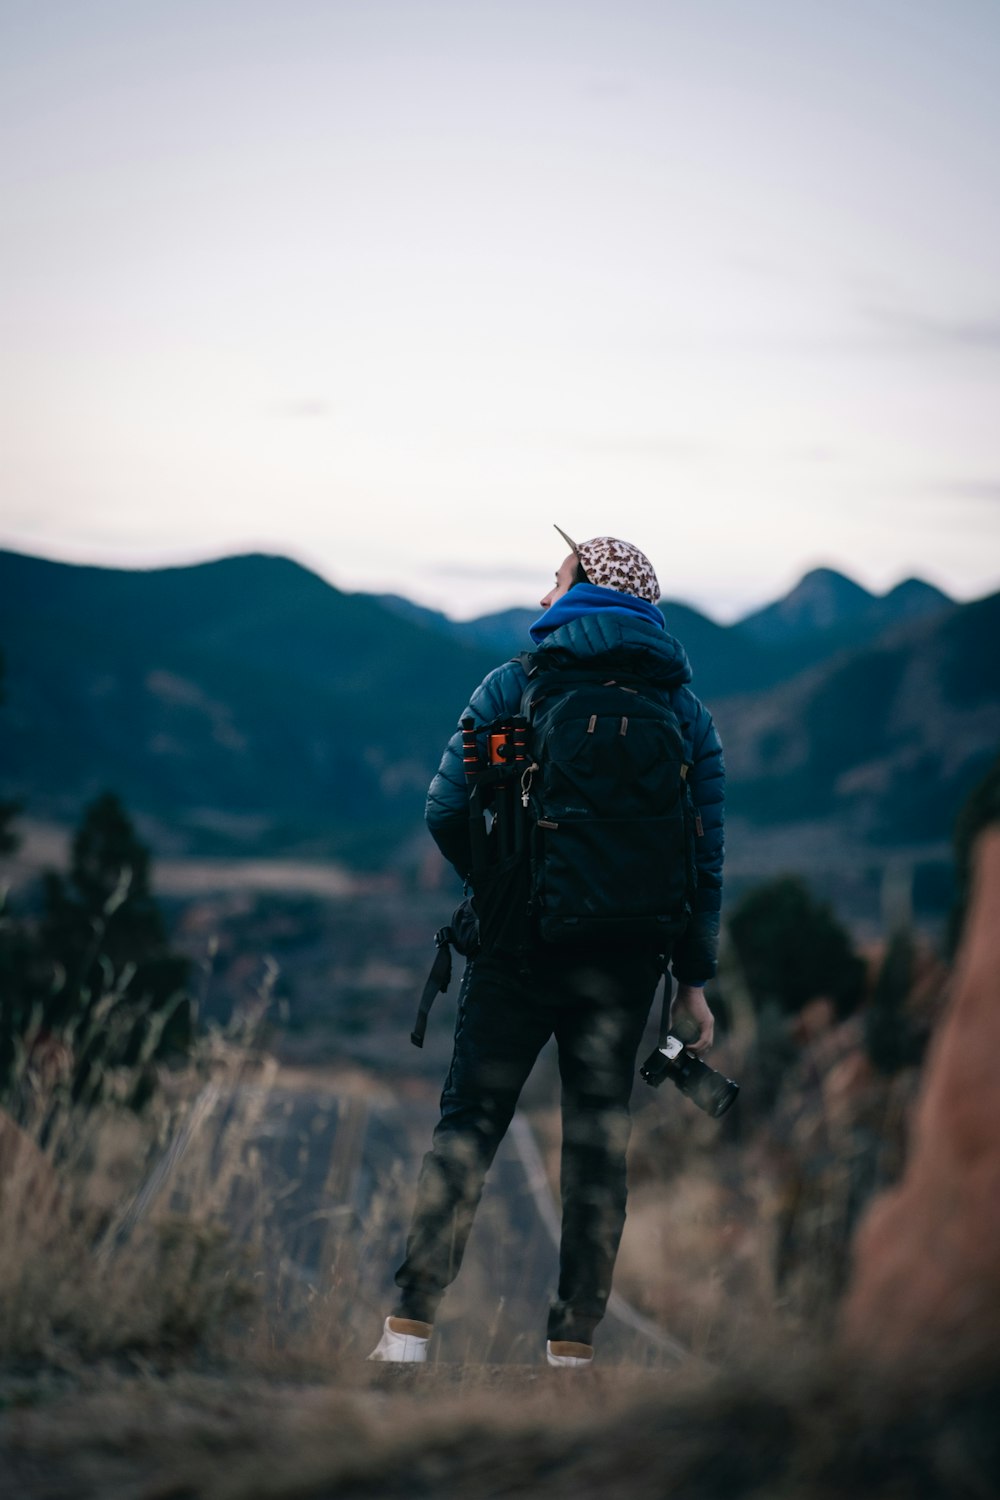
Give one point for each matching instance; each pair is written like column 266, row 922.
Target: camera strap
column 438, row 981
column 462, row 934
column 666, row 1003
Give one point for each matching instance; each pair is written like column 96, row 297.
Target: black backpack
column 610, row 834
column 581, row 821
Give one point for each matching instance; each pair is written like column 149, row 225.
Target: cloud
column 307, row 408
column 648, row 446
column 986, row 490
column 764, row 268
column 975, row 334
column 942, row 494
column 812, row 453
column 485, row 572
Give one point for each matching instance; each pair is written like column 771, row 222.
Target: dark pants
column 597, row 1008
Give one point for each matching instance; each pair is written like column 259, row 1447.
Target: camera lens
column 712, row 1092
column 696, row 1080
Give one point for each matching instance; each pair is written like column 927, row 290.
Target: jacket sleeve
column 696, row 952
column 447, row 809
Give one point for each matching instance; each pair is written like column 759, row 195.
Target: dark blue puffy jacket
column 657, row 656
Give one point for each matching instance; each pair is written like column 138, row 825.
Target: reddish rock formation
column 925, row 1292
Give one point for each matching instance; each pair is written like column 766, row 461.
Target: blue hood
column 635, row 643
column 587, row 599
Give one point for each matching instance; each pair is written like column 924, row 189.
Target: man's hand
column 690, row 1011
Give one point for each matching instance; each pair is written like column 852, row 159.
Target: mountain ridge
column 825, row 600
column 248, row 693
column 822, row 614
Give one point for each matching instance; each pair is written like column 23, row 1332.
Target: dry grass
column 96, row 1259
column 158, row 1342
column 157, row 1240
column 784, row 1435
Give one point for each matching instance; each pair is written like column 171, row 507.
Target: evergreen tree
column 8, row 810
column 14, row 949
column 119, row 997
column 792, row 949
column 980, row 810
column 894, row 1038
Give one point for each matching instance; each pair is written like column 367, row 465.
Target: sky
column 392, row 286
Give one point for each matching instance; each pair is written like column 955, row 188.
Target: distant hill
column 240, row 700
column 246, row 705
column 822, row 614
column 825, row 603
column 504, row 633
column 721, row 659
column 884, row 740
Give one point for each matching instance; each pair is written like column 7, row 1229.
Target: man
column 595, row 999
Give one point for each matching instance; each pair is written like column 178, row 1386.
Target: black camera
column 703, row 1085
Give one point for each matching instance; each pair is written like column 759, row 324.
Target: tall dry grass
column 110, row 1226
column 162, row 1236
column 151, row 1245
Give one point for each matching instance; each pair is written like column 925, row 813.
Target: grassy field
column 155, row 1342
column 188, row 1292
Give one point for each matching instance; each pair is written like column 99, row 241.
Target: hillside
column 825, row 603
column 724, row 661
column 823, row 614
column 247, row 705
column 884, row 740
column 244, row 701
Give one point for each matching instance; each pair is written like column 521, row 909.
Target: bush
column 792, row 949
column 94, row 983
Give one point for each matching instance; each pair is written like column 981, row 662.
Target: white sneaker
column 565, row 1354
column 403, row 1342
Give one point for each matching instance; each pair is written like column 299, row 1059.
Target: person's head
column 608, row 562
column 569, row 572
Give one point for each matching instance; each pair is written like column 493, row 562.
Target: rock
column 925, row 1289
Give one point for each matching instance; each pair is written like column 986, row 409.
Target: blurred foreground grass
column 153, row 1344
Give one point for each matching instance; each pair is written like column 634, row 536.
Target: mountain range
column 247, row 705
column 822, row 614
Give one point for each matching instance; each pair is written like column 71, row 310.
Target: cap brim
column 568, row 539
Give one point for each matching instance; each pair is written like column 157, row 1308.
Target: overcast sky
column 392, row 285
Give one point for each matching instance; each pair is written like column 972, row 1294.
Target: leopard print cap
column 614, row 564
